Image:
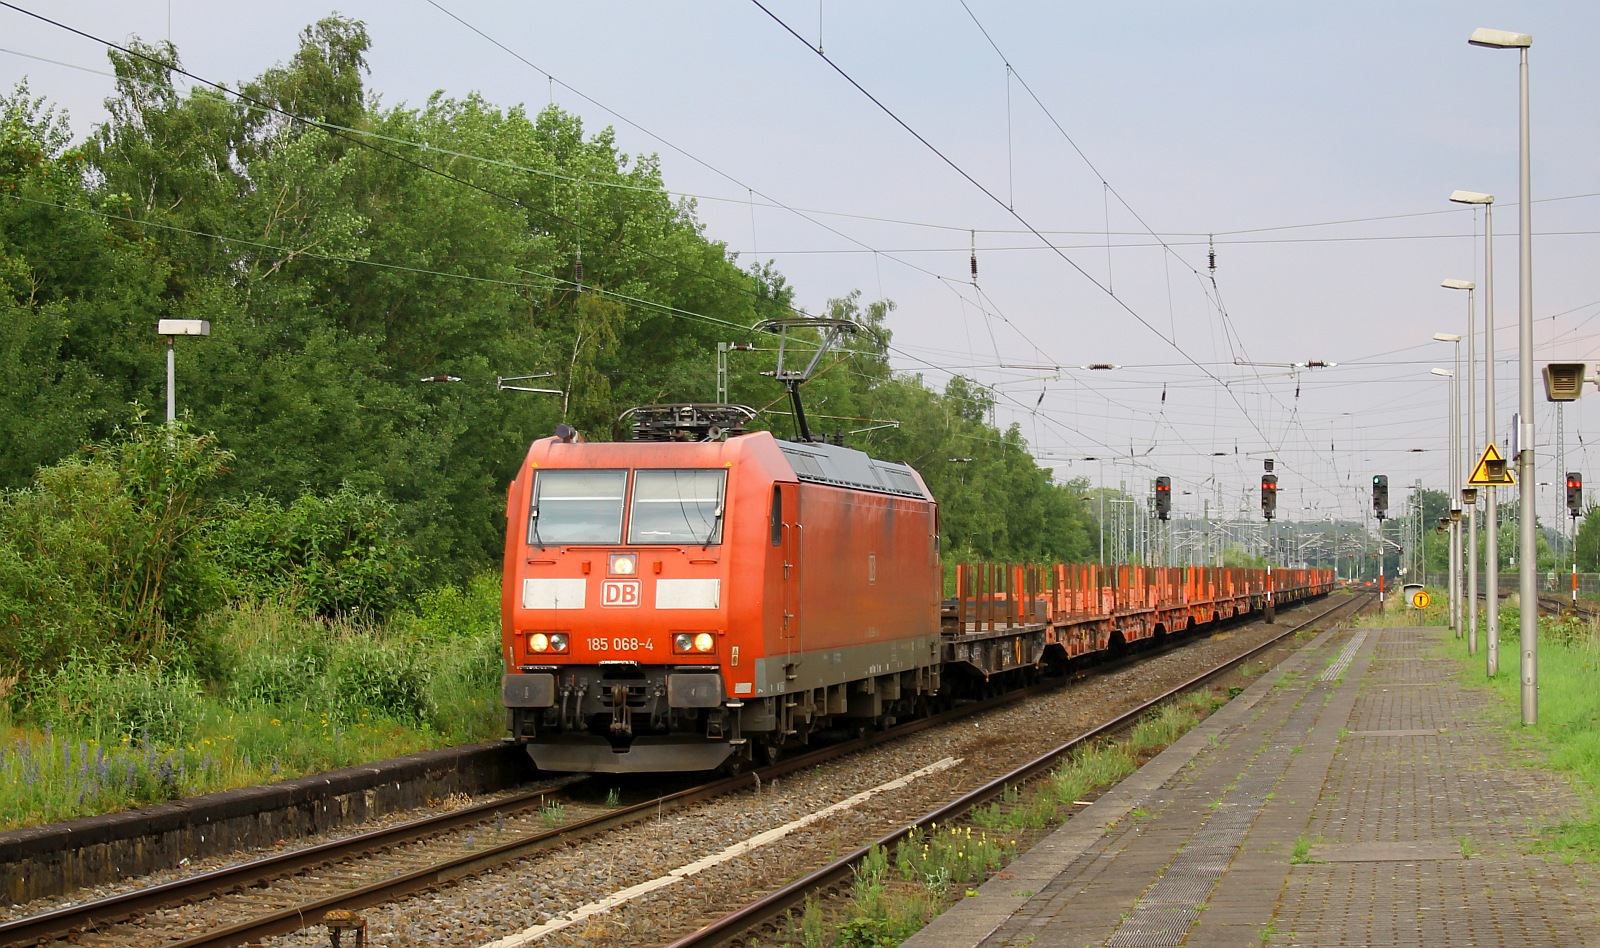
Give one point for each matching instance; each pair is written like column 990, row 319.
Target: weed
column 553, row 814
column 614, row 798
column 1302, row 851
column 813, row 925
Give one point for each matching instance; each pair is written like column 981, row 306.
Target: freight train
column 674, row 605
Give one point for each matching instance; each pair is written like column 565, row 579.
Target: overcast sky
column 1318, row 143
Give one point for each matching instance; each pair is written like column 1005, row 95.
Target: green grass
column 272, row 696
column 1567, row 735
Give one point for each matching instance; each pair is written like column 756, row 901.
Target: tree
column 343, row 251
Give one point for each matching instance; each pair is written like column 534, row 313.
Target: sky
column 1090, row 156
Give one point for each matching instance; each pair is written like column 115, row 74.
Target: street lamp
column 1471, row 600
column 1454, row 467
column 1528, row 532
column 1491, row 553
column 172, row 329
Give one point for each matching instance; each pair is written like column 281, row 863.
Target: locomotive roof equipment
column 831, row 331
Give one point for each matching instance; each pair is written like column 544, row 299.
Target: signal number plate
column 620, row 593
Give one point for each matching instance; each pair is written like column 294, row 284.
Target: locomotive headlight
column 624, row 564
column 547, row 641
column 691, row 643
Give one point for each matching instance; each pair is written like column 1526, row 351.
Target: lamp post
column 1491, row 553
column 1454, row 465
column 1527, row 522
column 172, row 329
column 1471, row 599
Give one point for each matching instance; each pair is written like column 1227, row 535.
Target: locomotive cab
column 614, row 615
column 660, row 609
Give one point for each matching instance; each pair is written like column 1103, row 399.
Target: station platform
column 1356, row 795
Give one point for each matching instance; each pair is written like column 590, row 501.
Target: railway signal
column 1269, row 495
column 1164, row 498
column 1574, row 494
column 1380, row 496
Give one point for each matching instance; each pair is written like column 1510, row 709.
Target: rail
column 768, row 908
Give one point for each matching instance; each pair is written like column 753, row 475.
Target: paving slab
column 1356, row 795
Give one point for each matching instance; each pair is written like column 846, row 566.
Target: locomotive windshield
column 677, row 507
column 577, row 507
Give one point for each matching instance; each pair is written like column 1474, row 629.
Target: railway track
column 284, row 893
column 1555, row 604
column 288, row 892
column 766, row 915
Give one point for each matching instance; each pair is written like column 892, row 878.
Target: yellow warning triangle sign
column 1491, row 470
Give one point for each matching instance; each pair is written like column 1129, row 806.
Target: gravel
column 531, row 892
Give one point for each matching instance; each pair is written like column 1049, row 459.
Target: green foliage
column 380, row 675
column 107, row 547
column 437, row 669
column 118, row 704
column 1235, row 557
column 276, row 662
column 1568, row 731
column 335, row 276
column 338, row 555
column 450, row 612
column 284, row 695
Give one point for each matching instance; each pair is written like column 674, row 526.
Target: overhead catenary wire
column 991, row 309
column 963, row 173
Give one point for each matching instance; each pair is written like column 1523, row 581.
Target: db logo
column 619, row 592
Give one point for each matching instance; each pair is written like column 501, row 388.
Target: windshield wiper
column 716, row 519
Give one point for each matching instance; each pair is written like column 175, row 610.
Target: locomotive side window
column 777, row 516
column 677, row 507
column 576, row 507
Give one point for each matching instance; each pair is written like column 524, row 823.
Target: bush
column 383, row 677
column 450, row 612
column 148, row 704
column 106, row 548
column 337, row 556
column 291, row 672
column 465, row 689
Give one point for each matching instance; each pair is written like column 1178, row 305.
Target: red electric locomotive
column 674, row 605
